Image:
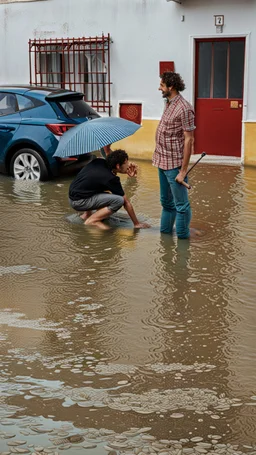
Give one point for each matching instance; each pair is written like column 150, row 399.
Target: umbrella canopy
column 94, row 134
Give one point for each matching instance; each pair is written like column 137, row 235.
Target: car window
column 24, row 103
column 8, row 104
column 78, row 109
column 68, row 107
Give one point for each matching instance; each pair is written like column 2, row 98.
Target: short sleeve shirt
column 178, row 116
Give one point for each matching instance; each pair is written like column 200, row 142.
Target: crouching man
column 97, row 187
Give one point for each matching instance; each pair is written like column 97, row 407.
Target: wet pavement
column 129, row 342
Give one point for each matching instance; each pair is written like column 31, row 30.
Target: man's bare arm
column 188, row 149
column 129, row 209
column 107, row 149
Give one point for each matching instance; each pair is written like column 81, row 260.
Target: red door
column 219, row 96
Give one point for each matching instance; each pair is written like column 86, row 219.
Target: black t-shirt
column 94, row 178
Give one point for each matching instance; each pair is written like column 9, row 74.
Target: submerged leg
column 86, row 215
column 97, row 217
column 182, row 204
column 168, row 207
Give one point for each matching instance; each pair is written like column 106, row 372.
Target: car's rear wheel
column 27, row 164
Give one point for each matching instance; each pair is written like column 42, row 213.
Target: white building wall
column 144, row 32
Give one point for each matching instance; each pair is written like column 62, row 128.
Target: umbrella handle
column 202, row 155
column 186, row 185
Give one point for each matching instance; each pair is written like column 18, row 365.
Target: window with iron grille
column 80, row 64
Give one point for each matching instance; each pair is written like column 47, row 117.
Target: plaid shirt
column 178, row 116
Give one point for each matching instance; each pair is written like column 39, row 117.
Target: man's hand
column 181, row 176
column 142, row 226
column 132, row 170
column 107, row 149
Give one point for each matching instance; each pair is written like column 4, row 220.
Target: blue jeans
column 175, row 204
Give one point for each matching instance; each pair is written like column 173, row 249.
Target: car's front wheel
column 27, row 164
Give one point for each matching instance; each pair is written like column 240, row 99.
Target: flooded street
column 126, row 341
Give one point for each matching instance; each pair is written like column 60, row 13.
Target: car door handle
column 6, row 128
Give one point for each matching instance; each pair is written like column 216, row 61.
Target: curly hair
column 117, row 157
column 174, row 80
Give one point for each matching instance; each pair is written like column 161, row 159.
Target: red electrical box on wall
column 165, row 66
column 131, row 111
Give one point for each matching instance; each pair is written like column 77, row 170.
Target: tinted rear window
column 77, row 109
column 8, row 104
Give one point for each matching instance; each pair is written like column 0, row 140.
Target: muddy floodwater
column 129, row 342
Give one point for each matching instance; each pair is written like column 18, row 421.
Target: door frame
column 192, row 45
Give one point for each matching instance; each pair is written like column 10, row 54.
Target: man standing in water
column 97, row 187
column 174, row 145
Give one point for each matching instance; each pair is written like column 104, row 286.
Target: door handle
column 6, row 128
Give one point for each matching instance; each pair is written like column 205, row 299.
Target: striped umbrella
column 94, row 134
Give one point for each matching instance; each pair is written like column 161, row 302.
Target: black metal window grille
column 80, row 64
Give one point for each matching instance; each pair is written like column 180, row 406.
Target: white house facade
column 115, row 50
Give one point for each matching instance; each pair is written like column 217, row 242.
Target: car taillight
column 59, row 128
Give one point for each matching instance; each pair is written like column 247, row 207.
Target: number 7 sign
column 219, row 20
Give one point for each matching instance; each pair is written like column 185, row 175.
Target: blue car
column 32, row 120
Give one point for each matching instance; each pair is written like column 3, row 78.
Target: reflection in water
column 133, row 328
column 27, row 190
